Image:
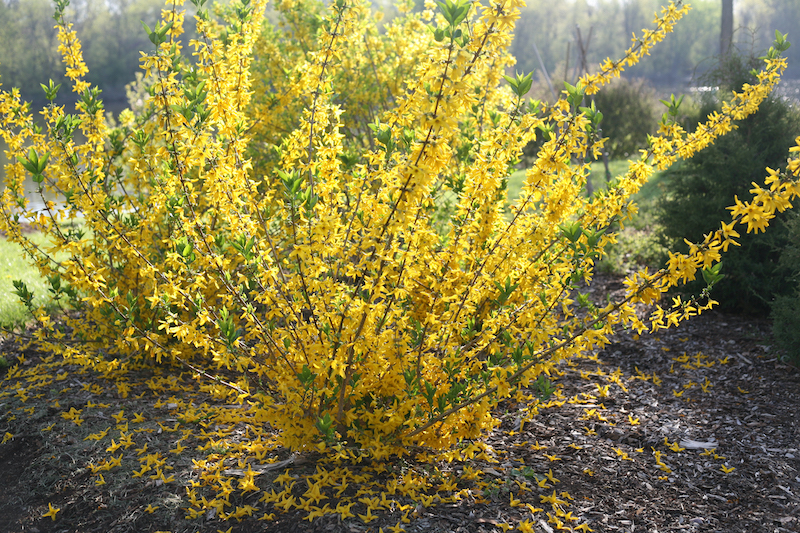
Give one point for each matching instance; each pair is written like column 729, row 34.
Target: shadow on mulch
column 15, row 458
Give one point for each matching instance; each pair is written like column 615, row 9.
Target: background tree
column 726, row 28
column 685, row 55
column 111, row 32
column 112, row 36
column 28, row 45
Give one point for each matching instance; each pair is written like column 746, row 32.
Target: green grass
column 638, row 242
column 645, row 198
column 14, row 265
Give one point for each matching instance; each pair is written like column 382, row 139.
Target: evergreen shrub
column 271, row 218
column 786, row 308
column 698, row 191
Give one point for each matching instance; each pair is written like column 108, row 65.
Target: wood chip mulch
column 721, row 387
column 693, row 429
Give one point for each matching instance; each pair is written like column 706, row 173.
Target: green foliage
column 699, row 190
column 543, row 387
column 786, row 308
column 521, row 84
column 628, row 116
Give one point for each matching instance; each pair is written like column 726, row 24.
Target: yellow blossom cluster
column 313, row 217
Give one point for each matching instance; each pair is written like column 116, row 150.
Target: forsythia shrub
column 296, row 241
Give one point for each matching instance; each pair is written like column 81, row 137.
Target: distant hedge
column 628, row 116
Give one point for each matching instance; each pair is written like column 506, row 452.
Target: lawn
column 645, row 197
column 15, row 266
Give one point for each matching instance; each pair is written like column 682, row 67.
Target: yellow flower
column 178, row 448
column 343, row 509
column 52, row 512
column 552, row 499
column 369, row 517
column 247, row 483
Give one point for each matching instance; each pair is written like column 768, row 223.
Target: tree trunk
column 726, row 29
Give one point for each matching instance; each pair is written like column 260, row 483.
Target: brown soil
column 717, row 380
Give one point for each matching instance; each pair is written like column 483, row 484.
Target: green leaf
column 571, row 231
column 50, row 91
column 574, row 93
column 306, row 376
column 672, row 104
column 158, row 34
column 712, row 275
column 147, row 30
column 325, row 426
column 454, row 13
column 593, row 237
column 521, row 84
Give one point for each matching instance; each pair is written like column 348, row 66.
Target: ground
column 693, row 429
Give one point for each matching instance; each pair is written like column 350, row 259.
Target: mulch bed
column 693, row 429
